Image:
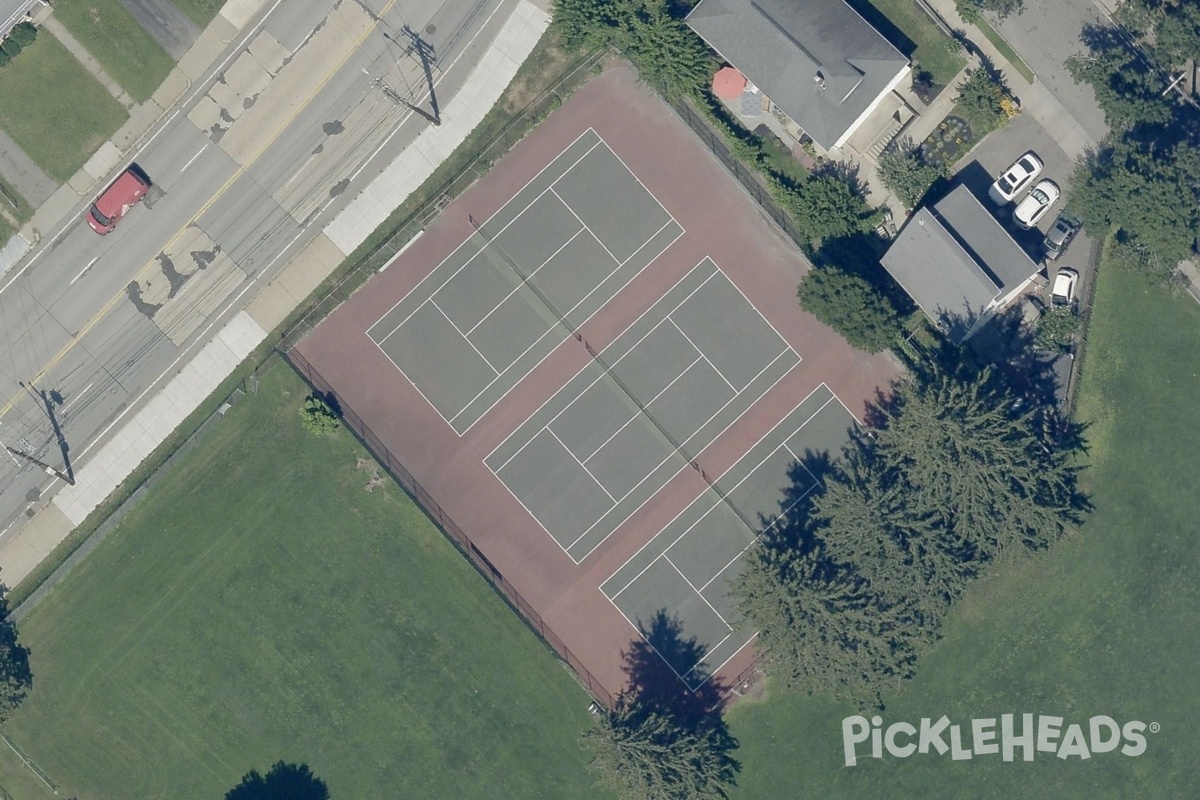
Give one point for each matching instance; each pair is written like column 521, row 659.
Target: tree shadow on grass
column 16, row 677
column 282, row 782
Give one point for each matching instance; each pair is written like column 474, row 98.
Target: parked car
column 1061, row 233
column 1035, row 204
column 1063, row 291
column 1015, row 179
column 121, row 195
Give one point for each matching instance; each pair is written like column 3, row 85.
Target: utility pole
column 44, row 401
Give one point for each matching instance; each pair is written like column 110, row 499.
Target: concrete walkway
column 85, row 58
column 1036, row 99
column 191, row 382
column 25, row 176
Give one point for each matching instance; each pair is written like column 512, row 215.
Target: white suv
column 1063, row 291
column 1015, row 179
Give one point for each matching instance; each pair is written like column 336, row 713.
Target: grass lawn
column 54, row 109
column 123, row 48
column 260, row 605
column 1103, row 624
column 1005, row 49
column 934, row 50
column 201, row 11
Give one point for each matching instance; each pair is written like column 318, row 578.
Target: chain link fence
column 451, row 529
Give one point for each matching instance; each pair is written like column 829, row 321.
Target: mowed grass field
column 123, row 47
column 260, row 605
column 54, row 109
column 1105, row 623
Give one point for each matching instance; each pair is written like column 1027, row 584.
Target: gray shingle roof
column 955, row 259
column 782, row 46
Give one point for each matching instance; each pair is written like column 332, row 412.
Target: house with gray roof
column 958, row 263
column 820, row 63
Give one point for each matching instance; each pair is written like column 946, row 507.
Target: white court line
column 639, row 180
column 521, row 285
column 433, row 303
column 611, row 344
column 747, row 299
column 732, row 467
column 704, row 355
column 471, row 236
column 637, row 414
column 567, row 206
column 571, row 310
column 580, row 463
column 413, row 384
column 721, row 666
column 702, row 450
column 527, row 511
column 667, row 558
column 583, row 322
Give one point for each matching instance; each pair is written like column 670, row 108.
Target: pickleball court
column 601, row 375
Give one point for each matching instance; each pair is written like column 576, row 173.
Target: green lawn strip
column 54, row 109
column 259, row 605
column 200, row 11
column 781, row 161
column 1095, row 626
column 110, row 33
column 1005, row 49
column 935, row 51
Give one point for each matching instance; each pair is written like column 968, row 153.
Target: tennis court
column 592, row 370
column 532, row 273
column 686, row 569
column 641, row 410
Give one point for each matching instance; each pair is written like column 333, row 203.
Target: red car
column 129, row 188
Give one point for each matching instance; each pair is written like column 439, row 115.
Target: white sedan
column 1015, row 179
column 1036, row 204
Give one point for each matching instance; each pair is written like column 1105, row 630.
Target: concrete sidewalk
column 1036, row 99
column 194, row 381
column 86, row 59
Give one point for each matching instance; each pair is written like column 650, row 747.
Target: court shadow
column 282, row 782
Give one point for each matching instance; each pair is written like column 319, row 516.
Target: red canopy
column 728, row 83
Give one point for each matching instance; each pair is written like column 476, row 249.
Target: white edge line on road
column 85, row 269
column 162, row 126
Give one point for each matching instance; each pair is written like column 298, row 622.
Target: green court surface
column 642, row 410
column 259, row 604
column 686, row 569
column 525, row 281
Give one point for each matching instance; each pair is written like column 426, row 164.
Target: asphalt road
column 289, row 124
column 1046, row 34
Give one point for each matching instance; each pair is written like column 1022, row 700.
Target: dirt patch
column 545, row 64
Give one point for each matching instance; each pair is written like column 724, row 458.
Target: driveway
column 1046, row 34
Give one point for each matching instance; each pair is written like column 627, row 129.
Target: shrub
column 904, row 170
column 1056, row 329
column 863, row 316
column 12, row 47
column 982, row 97
column 23, row 34
column 318, row 416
